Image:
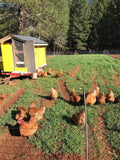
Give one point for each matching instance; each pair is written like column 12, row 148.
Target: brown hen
column 97, row 91
column 50, row 71
column 44, row 74
column 91, row 98
column 28, row 128
column 21, row 112
column 39, row 72
column 57, row 75
column 38, row 111
column 110, row 97
column 101, row 98
column 54, row 94
column 74, row 98
column 79, row 118
column 118, row 98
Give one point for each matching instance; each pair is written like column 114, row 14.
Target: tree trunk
column 20, row 14
column 54, row 49
column 57, row 50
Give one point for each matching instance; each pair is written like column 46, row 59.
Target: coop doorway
column 18, row 54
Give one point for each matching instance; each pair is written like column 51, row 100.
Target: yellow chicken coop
column 22, row 54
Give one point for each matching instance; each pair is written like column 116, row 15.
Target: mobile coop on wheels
column 22, row 55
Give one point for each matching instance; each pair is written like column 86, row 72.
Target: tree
column 97, row 10
column 8, row 19
column 62, row 23
column 19, row 13
column 108, row 28
column 48, row 20
column 79, row 24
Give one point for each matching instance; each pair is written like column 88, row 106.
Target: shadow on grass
column 73, row 104
column 68, row 120
column 13, row 114
column 45, row 97
column 13, row 130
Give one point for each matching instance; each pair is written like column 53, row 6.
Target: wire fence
column 86, row 127
column 69, row 52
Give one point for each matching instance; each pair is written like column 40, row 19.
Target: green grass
column 57, row 130
column 105, row 68
column 112, row 119
column 57, row 133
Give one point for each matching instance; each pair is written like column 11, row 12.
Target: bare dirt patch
column 64, row 90
column 73, row 73
column 94, row 85
column 105, row 151
column 118, row 79
column 66, row 157
column 11, row 100
column 13, row 146
column 17, row 147
column 46, row 101
column 116, row 56
column 50, row 56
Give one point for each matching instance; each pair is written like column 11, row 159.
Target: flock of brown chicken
column 91, row 98
column 42, row 73
column 29, row 127
column 28, row 121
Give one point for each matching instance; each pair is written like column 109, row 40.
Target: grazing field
column 57, row 136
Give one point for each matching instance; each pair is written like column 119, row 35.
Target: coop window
column 19, row 56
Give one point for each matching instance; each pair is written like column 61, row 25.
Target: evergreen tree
column 62, row 23
column 109, row 27
column 79, row 24
column 43, row 19
column 20, row 13
column 8, row 19
column 97, row 10
column 48, row 20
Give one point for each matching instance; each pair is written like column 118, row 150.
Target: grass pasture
column 56, row 133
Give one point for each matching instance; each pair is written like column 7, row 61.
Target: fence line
column 83, row 52
column 86, row 127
